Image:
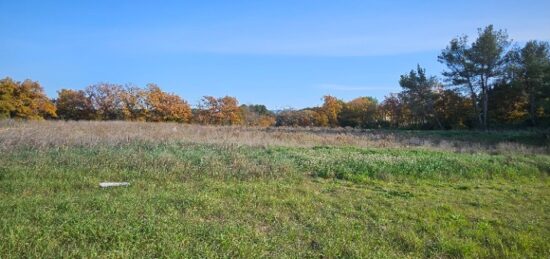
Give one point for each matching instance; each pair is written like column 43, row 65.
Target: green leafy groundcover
column 214, row 200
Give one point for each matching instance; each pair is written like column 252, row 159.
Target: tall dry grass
column 60, row 134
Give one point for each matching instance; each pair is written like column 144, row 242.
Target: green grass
column 534, row 137
column 192, row 200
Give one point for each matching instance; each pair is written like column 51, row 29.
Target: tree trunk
column 532, row 108
column 485, row 107
column 477, row 109
column 485, row 100
column 431, row 111
column 438, row 122
column 475, row 101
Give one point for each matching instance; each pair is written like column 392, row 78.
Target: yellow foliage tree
column 331, row 108
column 219, row 111
column 8, row 89
column 231, row 113
column 133, row 100
column 24, row 100
column 359, row 112
column 162, row 106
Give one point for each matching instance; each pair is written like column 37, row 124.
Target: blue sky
column 279, row 53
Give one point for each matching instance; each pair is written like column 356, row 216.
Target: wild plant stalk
column 45, row 134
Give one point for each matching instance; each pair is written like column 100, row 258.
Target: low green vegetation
column 198, row 200
column 539, row 138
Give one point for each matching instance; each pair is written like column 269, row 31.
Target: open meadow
column 275, row 129
column 207, row 191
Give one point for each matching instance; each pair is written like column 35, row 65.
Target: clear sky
column 282, row 53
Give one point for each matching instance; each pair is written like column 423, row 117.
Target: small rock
column 113, row 184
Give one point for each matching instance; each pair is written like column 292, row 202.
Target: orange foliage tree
column 106, row 100
column 219, row 111
column 453, row 109
column 391, row 110
column 133, row 103
column 162, row 106
column 331, row 108
column 359, row 112
column 24, row 100
column 7, row 94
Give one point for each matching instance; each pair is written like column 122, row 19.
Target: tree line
column 106, row 101
column 488, row 82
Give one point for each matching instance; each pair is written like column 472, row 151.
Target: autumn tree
column 231, row 112
column 510, row 105
column 8, row 89
column 209, row 111
column 257, row 115
column 302, row 118
column 391, row 110
column 452, row 109
column 219, row 111
column 331, row 108
column 476, row 67
column 133, row 103
column 286, row 118
column 106, row 100
column 359, row 112
column 162, row 106
column 74, row 105
column 24, row 100
column 317, row 116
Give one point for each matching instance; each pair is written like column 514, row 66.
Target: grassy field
column 200, row 191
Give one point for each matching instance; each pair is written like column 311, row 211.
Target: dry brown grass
column 60, row 134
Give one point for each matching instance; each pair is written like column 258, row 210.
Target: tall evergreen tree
column 530, row 66
column 477, row 67
column 419, row 93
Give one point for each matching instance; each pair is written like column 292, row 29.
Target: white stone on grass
column 113, row 184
